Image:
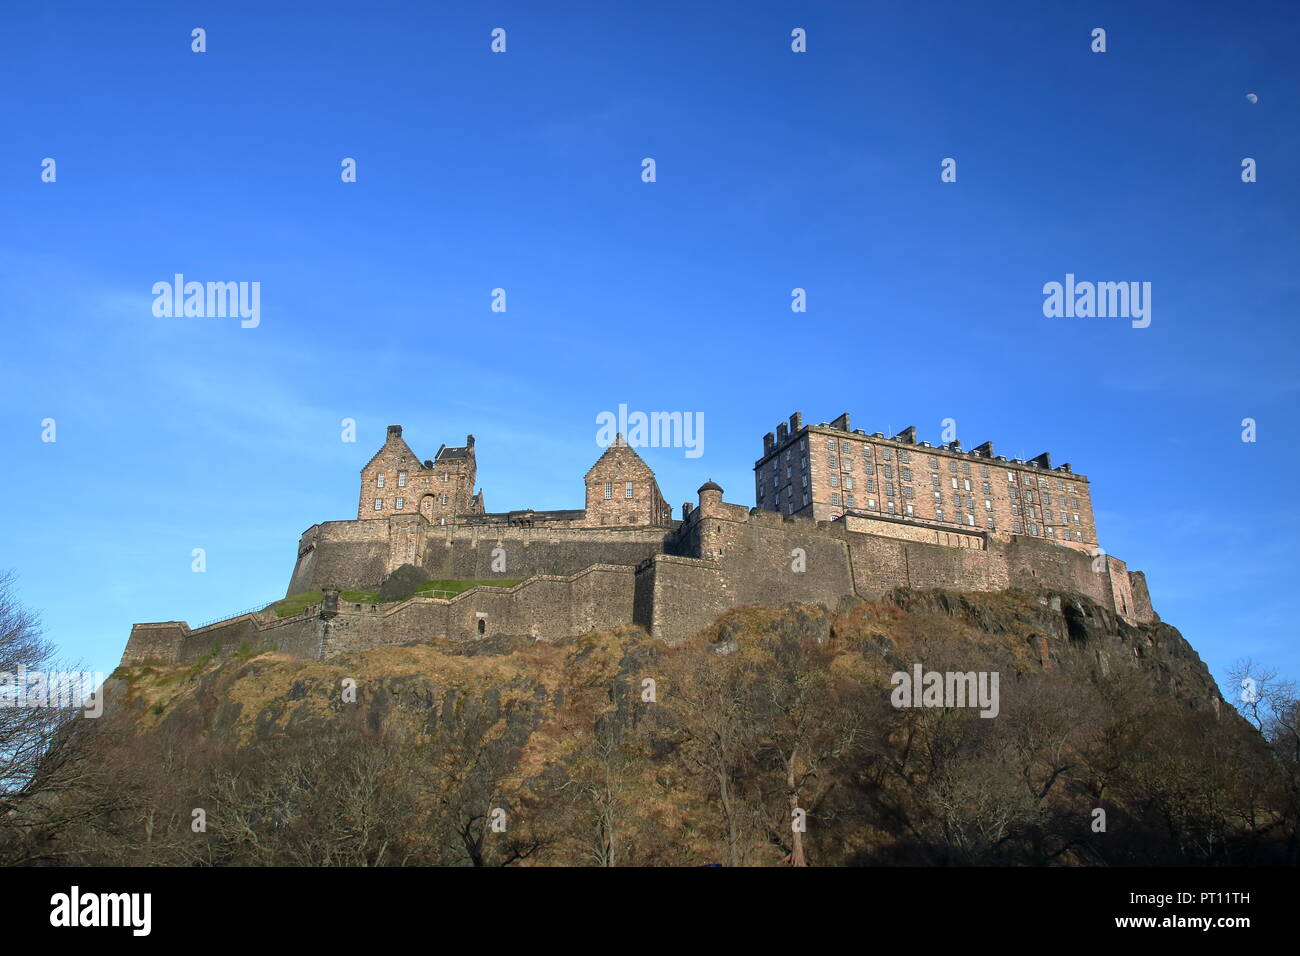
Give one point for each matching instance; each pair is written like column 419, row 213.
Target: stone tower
column 396, row 482
column 621, row 490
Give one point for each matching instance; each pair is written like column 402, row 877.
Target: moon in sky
column 1252, row 97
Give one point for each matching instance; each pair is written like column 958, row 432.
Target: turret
column 710, row 498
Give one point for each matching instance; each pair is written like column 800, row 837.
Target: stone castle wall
column 673, row 582
column 361, row 554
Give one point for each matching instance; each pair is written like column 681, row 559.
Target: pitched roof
column 620, row 455
column 394, row 442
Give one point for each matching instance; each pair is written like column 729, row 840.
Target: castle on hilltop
column 839, row 513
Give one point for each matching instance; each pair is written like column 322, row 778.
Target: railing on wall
column 235, row 614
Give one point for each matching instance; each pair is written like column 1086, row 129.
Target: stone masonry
column 624, row 560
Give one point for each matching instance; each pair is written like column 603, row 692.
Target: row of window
column 381, row 478
column 400, row 503
column 627, row 490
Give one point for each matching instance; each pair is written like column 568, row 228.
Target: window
column 889, row 489
column 891, row 507
column 934, row 481
column 401, row 479
column 871, row 484
column 848, row 499
column 805, row 499
column 609, row 490
column 835, row 497
column 835, row 481
column 938, row 497
column 906, row 473
column 1015, row 509
column 905, row 457
column 847, row 464
column 1011, row 476
column 1047, row 514
column 379, row 504
column 379, row 481
column 866, row 451
column 965, row 483
column 848, row 482
column 804, row 478
column 990, row 524
column 954, row 482
column 1019, row 528
column 988, row 504
column 952, row 466
column 1013, row 491
column 970, row 520
column 887, row 454
column 965, row 468
column 984, row 486
column 869, row 468
column 984, row 471
column 830, row 444
column 443, row 496
column 911, row 512
column 871, row 504
column 834, row 462
column 907, row 492
column 1033, row 528
column 1051, row 532
column 401, row 503
column 889, row 471
column 938, row 513
column 1075, row 518
column 627, row 491
column 934, row 464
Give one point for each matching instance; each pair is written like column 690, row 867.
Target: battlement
column 831, row 469
column 582, row 570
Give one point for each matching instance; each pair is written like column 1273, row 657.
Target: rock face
column 1066, row 631
column 614, row 747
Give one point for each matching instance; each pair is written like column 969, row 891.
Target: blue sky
column 522, row 170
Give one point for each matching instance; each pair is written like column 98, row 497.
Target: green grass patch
column 297, row 603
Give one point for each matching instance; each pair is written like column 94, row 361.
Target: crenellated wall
column 673, row 582
column 361, row 554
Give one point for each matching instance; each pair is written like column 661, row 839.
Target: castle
column 839, row 513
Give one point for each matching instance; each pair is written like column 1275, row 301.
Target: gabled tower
column 395, row 481
column 386, row 480
column 621, row 490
